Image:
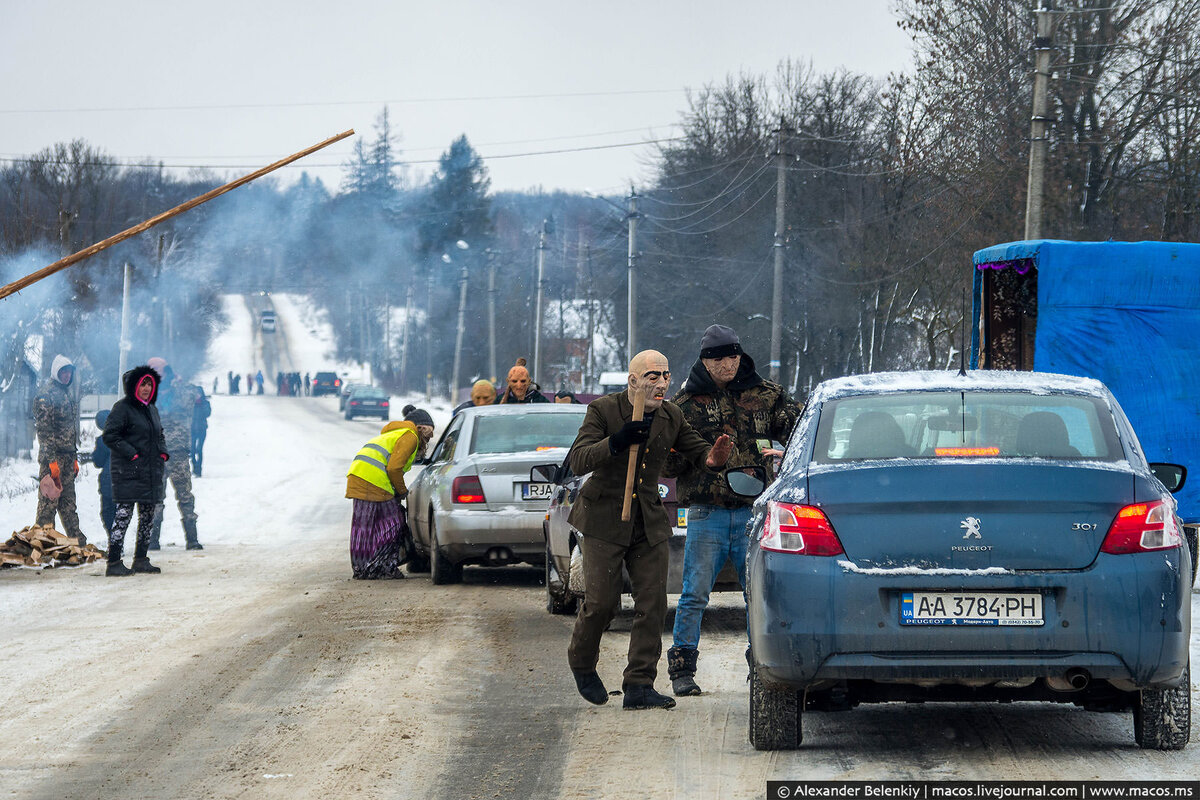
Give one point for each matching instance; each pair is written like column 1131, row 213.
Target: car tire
column 1162, row 718
column 775, row 716
column 560, row 600
column 442, row 572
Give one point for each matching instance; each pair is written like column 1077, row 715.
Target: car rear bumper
column 469, row 535
column 1126, row 618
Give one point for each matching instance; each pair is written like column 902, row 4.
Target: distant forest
column 891, row 184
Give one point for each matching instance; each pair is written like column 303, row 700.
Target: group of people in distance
column 725, row 416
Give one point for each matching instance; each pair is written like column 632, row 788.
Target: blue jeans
column 714, row 534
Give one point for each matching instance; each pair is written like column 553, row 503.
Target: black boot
column 590, row 686
column 645, row 697
column 681, row 666
column 140, row 562
column 116, row 568
column 189, row 530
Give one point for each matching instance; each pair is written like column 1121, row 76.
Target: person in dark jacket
column 640, row 544
column 201, row 410
column 134, row 434
column 482, row 394
column 724, row 394
column 520, row 388
column 102, row 458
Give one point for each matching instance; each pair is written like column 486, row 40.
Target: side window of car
column 445, row 448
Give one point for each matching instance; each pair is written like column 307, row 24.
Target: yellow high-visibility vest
column 371, row 462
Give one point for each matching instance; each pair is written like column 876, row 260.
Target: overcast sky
column 236, row 85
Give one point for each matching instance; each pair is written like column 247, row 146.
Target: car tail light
column 1143, row 527
column 793, row 528
column 353, row 402
column 467, row 489
column 383, row 404
column 337, row 381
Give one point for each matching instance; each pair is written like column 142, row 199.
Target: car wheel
column 442, row 571
column 1162, row 718
column 775, row 716
column 559, row 599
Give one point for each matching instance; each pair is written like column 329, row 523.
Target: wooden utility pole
column 491, row 262
column 1040, row 124
column 631, row 323
column 408, row 303
column 780, row 232
column 537, row 311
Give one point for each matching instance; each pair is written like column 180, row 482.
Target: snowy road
column 256, row 668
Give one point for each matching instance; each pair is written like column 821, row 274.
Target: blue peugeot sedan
column 987, row 536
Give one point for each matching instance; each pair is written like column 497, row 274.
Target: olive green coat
column 598, row 511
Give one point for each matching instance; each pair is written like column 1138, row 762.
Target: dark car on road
column 987, row 536
column 326, row 383
column 564, row 553
column 367, row 401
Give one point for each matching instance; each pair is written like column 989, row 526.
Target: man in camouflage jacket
column 55, row 414
column 722, row 395
column 176, row 403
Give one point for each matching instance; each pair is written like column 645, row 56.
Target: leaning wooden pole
column 88, row 252
column 639, row 405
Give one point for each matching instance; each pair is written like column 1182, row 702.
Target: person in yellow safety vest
column 380, row 540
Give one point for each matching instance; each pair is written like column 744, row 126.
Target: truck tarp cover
column 1128, row 314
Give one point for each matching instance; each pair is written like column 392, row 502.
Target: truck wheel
column 442, row 571
column 1162, row 718
column 775, row 716
column 559, row 599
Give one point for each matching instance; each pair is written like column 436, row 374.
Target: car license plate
column 370, row 403
column 537, row 491
column 970, row 608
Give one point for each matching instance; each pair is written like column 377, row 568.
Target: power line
column 332, row 103
column 145, row 165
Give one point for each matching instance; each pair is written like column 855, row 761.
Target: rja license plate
column 536, row 491
column 970, row 608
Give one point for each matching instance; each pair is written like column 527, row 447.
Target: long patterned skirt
column 379, row 539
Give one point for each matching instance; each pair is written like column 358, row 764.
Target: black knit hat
column 719, row 342
column 418, row 416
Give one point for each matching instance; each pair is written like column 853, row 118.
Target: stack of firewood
column 42, row 546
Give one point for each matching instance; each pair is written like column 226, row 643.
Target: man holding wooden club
column 624, row 441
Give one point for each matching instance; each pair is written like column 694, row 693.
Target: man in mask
column 55, row 413
column 520, row 387
column 640, row 545
column 723, row 395
column 482, row 394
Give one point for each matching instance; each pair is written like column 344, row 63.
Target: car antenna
column 962, row 336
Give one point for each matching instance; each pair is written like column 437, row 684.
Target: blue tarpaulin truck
column 1125, row 313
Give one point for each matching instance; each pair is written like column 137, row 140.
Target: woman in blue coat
column 134, row 435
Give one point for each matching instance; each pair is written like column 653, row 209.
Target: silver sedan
column 474, row 502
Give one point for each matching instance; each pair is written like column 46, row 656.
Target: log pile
column 42, row 546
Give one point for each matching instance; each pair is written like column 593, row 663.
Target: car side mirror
column 746, row 481
column 544, row 473
column 1172, row 476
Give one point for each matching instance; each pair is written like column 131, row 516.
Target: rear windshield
column 519, row 433
column 950, row 425
column 370, row 391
